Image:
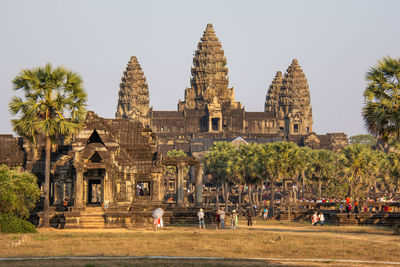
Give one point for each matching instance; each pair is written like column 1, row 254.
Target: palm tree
column 381, row 111
column 278, row 162
column 301, row 162
column 322, row 166
column 357, row 162
column 247, row 166
column 53, row 106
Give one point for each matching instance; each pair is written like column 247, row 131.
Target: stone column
column 56, row 192
column 199, row 185
column 79, row 189
column 179, row 187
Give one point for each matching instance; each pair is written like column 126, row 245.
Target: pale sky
column 335, row 42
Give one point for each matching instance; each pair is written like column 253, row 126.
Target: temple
column 120, row 163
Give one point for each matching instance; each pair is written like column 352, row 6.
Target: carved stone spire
column 294, row 101
column 133, row 101
column 272, row 99
column 209, row 74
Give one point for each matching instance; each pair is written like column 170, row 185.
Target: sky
column 336, row 42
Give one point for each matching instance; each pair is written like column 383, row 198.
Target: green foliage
column 13, row 224
column 218, row 161
column 18, row 192
column 174, row 153
column 363, row 139
column 53, row 104
column 381, row 111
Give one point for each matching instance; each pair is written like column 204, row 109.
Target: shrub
column 15, row 224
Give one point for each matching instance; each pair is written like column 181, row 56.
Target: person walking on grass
column 200, row 215
column 321, row 218
column 314, row 219
column 234, row 219
column 265, row 213
column 249, row 218
column 218, row 219
column 222, row 218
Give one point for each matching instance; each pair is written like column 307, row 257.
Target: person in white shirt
column 200, row 215
column 321, row 219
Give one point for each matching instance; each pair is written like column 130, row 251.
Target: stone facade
column 120, row 161
column 209, row 111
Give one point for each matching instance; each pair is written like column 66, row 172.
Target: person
column 265, row 213
column 222, row 218
column 314, row 219
column 218, row 219
column 66, row 202
column 341, row 208
column 249, row 219
column 234, row 219
column 356, row 208
column 200, row 215
column 321, row 218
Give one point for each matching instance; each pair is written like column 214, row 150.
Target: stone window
column 296, row 128
column 143, row 188
column 215, row 124
column 307, row 129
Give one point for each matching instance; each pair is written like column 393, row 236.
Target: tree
column 357, row 164
column 217, row 163
column 381, row 111
column 301, row 162
column 53, row 106
column 174, row 153
column 363, row 139
column 18, row 192
column 323, row 166
column 247, row 166
column 278, row 164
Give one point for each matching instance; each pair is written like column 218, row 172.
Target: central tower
column 209, row 89
column 209, row 75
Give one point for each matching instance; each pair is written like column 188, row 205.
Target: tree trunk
column 223, row 191
column 320, row 187
column 227, row 191
column 240, row 199
column 251, row 200
column 217, row 195
column 46, row 205
column 303, row 183
column 272, row 203
column 261, row 195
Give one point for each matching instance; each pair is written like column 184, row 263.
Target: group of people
column 220, row 219
column 317, row 218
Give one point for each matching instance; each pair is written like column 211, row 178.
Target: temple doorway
column 95, row 195
column 94, row 187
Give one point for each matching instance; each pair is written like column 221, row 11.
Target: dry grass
column 263, row 240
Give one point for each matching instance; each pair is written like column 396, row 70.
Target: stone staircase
column 92, row 217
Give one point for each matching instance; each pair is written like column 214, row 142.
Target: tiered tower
column 295, row 113
column 272, row 99
column 133, row 101
column 209, row 75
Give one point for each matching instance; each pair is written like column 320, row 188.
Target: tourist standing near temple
column 200, row 215
column 234, row 219
column 222, row 218
column 249, row 218
column 321, row 218
column 218, row 219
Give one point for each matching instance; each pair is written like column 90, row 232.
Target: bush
column 14, row 224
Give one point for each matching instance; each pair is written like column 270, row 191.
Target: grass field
column 263, row 240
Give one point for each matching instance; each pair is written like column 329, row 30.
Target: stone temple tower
column 133, row 100
column 288, row 98
column 209, row 76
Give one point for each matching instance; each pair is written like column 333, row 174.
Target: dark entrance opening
column 94, row 192
column 143, row 188
column 215, row 124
